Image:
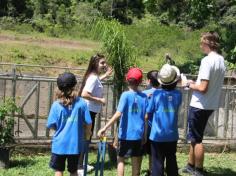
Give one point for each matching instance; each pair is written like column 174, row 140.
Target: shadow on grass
column 108, row 165
column 22, row 163
column 216, row 171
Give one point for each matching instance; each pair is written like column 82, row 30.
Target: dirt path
column 49, row 42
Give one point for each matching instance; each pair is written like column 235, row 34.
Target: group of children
column 148, row 119
column 157, row 107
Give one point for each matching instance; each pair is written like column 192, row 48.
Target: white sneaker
column 80, row 172
column 90, row 168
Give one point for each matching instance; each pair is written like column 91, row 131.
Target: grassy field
column 73, row 48
column 223, row 164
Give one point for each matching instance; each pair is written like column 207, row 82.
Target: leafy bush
column 7, row 109
column 228, row 24
column 7, row 22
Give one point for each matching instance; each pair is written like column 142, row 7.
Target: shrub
column 7, row 110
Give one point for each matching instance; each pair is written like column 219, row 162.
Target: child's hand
column 101, row 133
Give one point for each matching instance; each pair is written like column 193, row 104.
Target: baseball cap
column 168, row 74
column 66, row 81
column 135, row 73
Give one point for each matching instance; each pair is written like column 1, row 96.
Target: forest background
column 151, row 27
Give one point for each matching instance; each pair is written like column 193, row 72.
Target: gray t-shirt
column 212, row 68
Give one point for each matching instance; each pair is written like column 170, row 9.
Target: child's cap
column 135, row 73
column 66, row 81
column 168, row 74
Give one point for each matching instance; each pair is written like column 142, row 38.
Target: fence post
column 216, row 122
column 226, row 113
column 14, row 94
column 50, row 99
column 232, row 112
column 14, row 83
column 186, row 105
column 113, row 128
column 4, row 90
column 36, row 111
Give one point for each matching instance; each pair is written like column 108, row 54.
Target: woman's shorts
column 129, row 148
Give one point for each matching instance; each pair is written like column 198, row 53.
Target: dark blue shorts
column 58, row 162
column 129, row 148
column 197, row 120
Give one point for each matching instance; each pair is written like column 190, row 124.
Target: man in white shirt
column 205, row 99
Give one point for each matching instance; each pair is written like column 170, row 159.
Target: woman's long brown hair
column 92, row 67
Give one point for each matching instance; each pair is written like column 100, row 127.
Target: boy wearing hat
column 164, row 105
column 131, row 110
column 67, row 116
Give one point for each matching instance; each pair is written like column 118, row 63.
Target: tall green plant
column 7, row 122
column 120, row 53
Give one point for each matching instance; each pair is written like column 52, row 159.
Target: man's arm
column 202, row 87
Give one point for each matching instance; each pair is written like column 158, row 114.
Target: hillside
column 23, row 47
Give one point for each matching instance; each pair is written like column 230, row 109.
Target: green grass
column 37, row 165
column 151, row 40
column 41, row 50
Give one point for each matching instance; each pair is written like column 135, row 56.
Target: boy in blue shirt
column 131, row 111
column 164, row 105
column 68, row 116
column 152, row 85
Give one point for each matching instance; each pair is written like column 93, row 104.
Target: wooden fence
column 34, row 94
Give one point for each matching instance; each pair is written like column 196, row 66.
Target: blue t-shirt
column 165, row 105
column 68, row 122
column 133, row 106
column 149, row 93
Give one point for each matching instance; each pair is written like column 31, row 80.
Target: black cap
column 66, row 81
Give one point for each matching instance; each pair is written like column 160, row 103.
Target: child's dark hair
column 170, row 86
column 133, row 82
column 92, row 67
column 152, row 76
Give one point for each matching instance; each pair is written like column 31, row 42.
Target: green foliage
column 200, row 12
column 7, row 108
column 167, row 11
column 228, row 31
column 76, row 20
column 120, row 54
column 86, row 14
column 125, row 10
column 7, row 22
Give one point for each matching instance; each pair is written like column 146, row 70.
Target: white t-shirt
column 212, row 68
column 94, row 86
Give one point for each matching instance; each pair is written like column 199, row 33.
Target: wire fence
column 35, row 94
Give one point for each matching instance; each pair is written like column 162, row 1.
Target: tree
column 199, row 12
column 228, row 25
